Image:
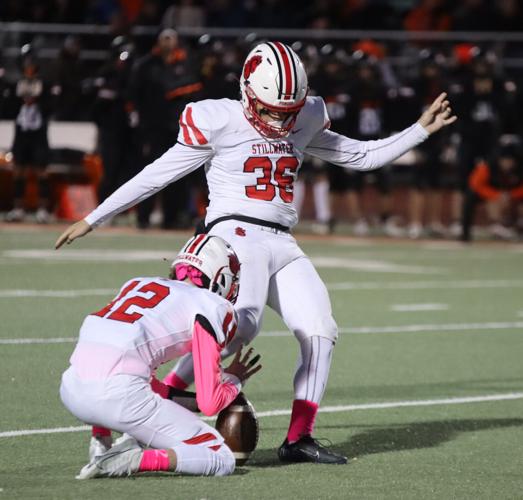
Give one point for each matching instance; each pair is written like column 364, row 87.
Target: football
column 239, row 427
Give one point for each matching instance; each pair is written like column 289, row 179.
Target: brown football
column 239, row 427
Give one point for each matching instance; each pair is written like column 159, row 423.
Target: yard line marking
column 362, row 330
column 326, row 409
column 372, row 265
column 56, row 340
column 153, row 255
column 341, row 286
column 424, row 285
column 5, row 294
column 418, row 307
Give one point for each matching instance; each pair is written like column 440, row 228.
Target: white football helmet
column 273, row 76
column 217, row 261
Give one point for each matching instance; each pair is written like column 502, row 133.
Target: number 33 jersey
column 247, row 173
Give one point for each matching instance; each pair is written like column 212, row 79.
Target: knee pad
column 323, row 326
column 248, row 325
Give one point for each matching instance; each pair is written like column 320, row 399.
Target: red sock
column 174, row 381
column 100, row 431
column 302, row 419
column 154, row 460
column 159, row 388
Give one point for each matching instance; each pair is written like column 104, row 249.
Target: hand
column 243, row 368
column 438, row 115
column 76, row 230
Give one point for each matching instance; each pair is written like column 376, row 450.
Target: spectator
column 161, row 84
column 116, row 133
column 430, row 15
column 498, row 184
column 187, row 13
column 30, row 147
column 67, row 76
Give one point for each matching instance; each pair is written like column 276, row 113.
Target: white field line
column 326, row 409
column 424, row 285
column 341, row 286
column 370, row 265
column 57, row 293
column 363, row 330
column 418, row 307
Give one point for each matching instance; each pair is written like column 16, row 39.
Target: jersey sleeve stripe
column 287, row 67
column 185, row 131
column 197, row 133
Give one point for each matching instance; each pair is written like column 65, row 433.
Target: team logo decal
column 239, row 231
column 251, row 65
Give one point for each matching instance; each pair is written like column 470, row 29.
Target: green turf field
column 432, row 331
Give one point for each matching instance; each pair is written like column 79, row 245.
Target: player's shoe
column 42, row 216
column 121, row 460
column 98, row 446
column 15, row 215
column 308, row 449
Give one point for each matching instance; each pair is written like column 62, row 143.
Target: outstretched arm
column 369, row 155
column 171, row 166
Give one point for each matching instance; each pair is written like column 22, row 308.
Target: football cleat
column 308, row 449
column 98, row 446
column 121, row 460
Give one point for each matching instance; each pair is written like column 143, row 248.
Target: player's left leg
column 297, row 293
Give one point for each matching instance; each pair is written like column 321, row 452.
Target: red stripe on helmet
column 287, row 67
column 195, row 243
column 186, row 136
column 199, row 136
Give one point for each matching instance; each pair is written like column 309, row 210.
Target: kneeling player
column 150, row 322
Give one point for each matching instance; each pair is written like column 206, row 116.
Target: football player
column 252, row 150
column 152, row 321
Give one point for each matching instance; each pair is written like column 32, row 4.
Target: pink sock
column 174, row 381
column 100, row 431
column 302, row 419
column 154, row 460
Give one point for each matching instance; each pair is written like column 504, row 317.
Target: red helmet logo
column 234, row 263
column 251, row 65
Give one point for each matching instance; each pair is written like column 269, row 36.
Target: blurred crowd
column 136, row 92
column 434, row 15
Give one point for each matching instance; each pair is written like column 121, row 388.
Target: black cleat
column 308, row 449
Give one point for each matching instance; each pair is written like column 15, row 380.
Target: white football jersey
column 247, row 173
column 149, row 322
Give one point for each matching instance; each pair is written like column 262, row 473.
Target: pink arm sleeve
column 211, row 394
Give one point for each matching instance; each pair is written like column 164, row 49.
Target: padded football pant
column 275, row 271
column 126, row 403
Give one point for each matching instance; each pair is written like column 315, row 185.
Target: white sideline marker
column 326, row 409
column 418, row 307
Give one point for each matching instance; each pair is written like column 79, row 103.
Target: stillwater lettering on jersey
column 266, row 148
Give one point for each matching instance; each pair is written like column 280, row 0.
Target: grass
column 442, row 451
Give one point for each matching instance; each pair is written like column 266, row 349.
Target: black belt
column 202, row 228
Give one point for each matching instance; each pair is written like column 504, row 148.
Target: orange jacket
column 479, row 182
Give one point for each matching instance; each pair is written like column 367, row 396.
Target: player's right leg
column 181, row 441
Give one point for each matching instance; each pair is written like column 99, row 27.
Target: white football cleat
column 121, row 460
column 98, row 446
